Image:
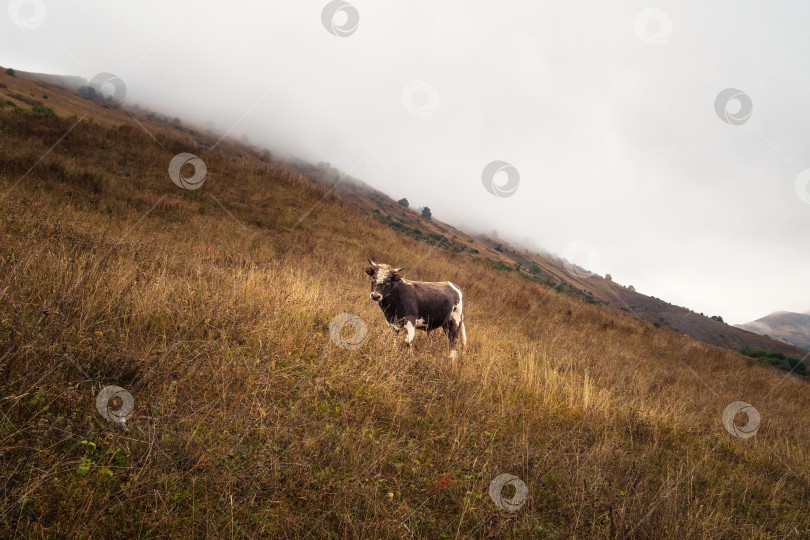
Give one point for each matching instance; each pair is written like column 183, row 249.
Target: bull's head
column 383, row 279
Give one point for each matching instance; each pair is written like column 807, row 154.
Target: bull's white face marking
column 383, row 273
column 411, row 332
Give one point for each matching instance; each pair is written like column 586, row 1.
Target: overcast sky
column 606, row 110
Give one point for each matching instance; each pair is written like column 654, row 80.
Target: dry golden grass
column 212, row 308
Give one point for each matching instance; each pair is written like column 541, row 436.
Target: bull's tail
column 463, row 333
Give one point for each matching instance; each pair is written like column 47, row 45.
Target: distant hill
column 792, row 328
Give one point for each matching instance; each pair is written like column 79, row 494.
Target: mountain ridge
column 790, row 327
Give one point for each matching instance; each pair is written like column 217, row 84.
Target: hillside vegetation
column 212, row 308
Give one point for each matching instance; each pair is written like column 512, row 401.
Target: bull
column 412, row 305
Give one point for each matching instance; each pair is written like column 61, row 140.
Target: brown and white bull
column 412, row 305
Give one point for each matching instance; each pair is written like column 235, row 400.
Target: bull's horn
column 399, row 269
column 372, row 263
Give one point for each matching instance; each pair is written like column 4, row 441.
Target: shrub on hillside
column 26, row 100
column 500, row 265
column 87, row 92
column 782, row 361
column 43, row 110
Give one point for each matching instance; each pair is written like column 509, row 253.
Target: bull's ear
column 369, row 270
column 395, row 277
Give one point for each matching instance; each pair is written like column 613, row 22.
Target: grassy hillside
column 212, row 309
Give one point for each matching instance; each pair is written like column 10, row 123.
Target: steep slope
column 792, row 328
column 253, row 417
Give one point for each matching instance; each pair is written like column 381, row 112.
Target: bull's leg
column 410, row 328
column 452, row 333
